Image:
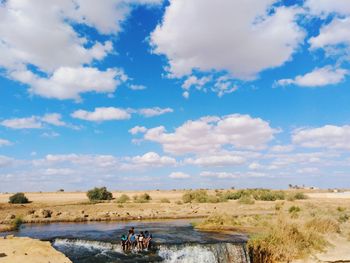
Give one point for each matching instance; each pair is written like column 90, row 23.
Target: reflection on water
column 176, row 241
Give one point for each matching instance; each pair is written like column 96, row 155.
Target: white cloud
column 224, row 86
column 41, row 34
column 216, row 160
column 282, row 148
column 137, row 129
column 156, row 111
column 228, row 175
column 54, row 119
column 35, row 122
column 112, row 113
column 209, row 134
column 69, row 83
column 23, row 123
column 254, row 39
column 137, row 87
column 334, row 37
column 179, row 175
column 318, row 77
column 153, row 159
column 193, row 81
column 4, row 142
column 102, row 114
column 328, row 136
column 324, row 7
column 51, row 134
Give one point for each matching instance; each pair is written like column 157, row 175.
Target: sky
column 153, row 94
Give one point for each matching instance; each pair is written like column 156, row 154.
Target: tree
column 98, row 194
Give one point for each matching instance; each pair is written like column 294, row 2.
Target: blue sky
column 148, row 94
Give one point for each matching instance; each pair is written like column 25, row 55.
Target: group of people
column 133, row 241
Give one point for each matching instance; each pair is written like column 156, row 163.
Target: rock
column 2, row 255
column 43, row 213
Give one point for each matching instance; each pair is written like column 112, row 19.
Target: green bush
column 144, row 198
column 294, row 209
column 123, row 199
column 297, row 196
column 99, row 194
column 16, row 224
column 18, row 198
column 199, row 196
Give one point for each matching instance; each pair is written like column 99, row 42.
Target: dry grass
column 291, row 233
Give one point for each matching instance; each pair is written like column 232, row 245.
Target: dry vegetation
column 294, row 231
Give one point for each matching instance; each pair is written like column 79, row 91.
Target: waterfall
column 222, row 252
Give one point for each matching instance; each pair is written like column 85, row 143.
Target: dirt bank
column 27, row 250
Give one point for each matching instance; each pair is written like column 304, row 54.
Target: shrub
column 18, row 198
column 16, row 224
column 123, row 199
column 199, row 196
column 246, row 200
column 343, row 218
column 294, row 209
column 341, row 209
column 99, row 194
column 164, row 200
column 297, row 196
column 178, row 202
column 144, row 198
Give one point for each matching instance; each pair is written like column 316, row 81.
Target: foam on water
column 167, row 253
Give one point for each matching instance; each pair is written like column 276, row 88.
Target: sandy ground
column 26, row 250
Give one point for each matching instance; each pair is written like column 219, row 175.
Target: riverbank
column 23, row 249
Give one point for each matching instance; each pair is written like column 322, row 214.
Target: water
column 175, row 242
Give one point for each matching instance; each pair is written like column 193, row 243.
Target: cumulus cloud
column 35, row 122
column 216, row 160
column 282, row 148
column 102, row 114
column 255, row 38
column 4, row 142
column 137, row 87
column 179, row 175
column 41, row 35
column 69, row 83
column 156, row 111
column 112, row 113
column 137, row 129
column 333, row 37
column 328, row 136
column 325, row 7
column 153, row 159
column 22, row 123
column 225, row 175
column 318, row 77
column 212, row 133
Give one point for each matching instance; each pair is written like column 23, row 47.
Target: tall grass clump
column 123, row 199
column 18, row 198
column 284, row 242
column 99, row 194
column 144, row 198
